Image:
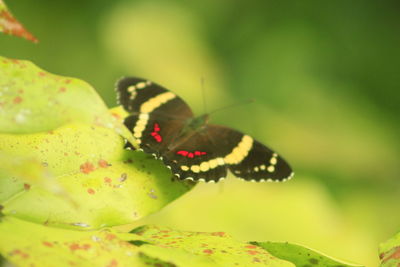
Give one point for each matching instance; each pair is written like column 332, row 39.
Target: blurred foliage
column 325, row 79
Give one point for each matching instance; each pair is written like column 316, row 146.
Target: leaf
column 47, row 246
column 389, row 252
column 65, row 164
column 9, row 25
column 17, row 173
column 144, row 246
column 203, row 249
column 33, row 100
column 301, row 256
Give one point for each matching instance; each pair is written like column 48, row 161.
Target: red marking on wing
column 182, row 152
column 155, row 134
column 190, row 154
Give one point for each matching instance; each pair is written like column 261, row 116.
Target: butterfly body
column 163, row 125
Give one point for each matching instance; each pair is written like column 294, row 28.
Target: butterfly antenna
column 203, row 92
column 248, row 101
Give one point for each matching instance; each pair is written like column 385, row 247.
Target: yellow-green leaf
column 63, row 160
column 203, row 249
column 301, row 256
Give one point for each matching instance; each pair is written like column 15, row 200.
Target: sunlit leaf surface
column 301, row 256
column 63, row 157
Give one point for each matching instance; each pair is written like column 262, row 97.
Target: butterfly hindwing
column 247, row 158
column 220, row 148
column 262, row 164
column 195, row 157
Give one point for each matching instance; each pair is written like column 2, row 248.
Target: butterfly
column 164, row 125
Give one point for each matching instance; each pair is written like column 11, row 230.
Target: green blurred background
column 325, row 77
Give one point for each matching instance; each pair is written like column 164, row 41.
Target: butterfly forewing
column 157, row 115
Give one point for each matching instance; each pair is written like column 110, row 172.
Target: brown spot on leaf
column 221, row 234
column 27, row 187
column 91, row 191
column 251, row 246
column 19, row 253
column 113, row 263
column 74, row 246
column 115, row 115
column 252, row 252
column 110, row 237
column 107, row 180
column 17, row 100
column 208, row 251
column 103, row 164
column 87, row 167
column 47, row 244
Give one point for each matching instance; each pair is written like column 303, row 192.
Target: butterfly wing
column 223, row 149
column 196, row 158
column 157, row 115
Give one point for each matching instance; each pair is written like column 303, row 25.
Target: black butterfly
column 164, row 125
